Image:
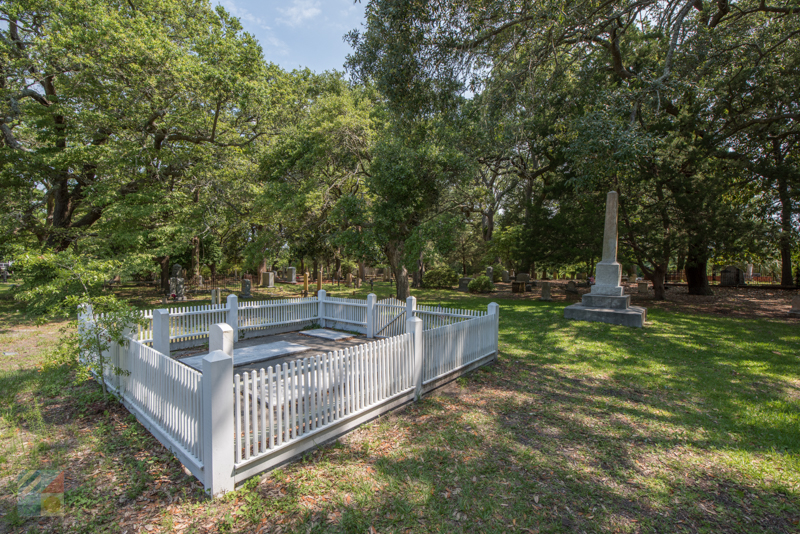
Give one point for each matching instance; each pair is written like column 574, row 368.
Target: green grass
column 691, row 424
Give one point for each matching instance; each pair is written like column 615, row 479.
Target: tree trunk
column 362, row 273
column 786, row 231
column 164, row 263
column 394, row 253
column 338, row 269
column 196, row 257
column 658, row 274
column 696, row 275
column 262, row 268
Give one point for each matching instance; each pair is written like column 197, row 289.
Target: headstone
column 177, row 289
column 518, row 287
column 305, row 284
column 523, row 277
column 506, row 277
column 624, row 279
column 358, row 282
column 571, row 287
column 581, row 276
column 642, row 288
column 607, row 302
column 176, row 270
column 463, row 284
column 732, row 276
column 546, row 292
column 292, row 275
column 490, row 272
column 200, row 280
column 5, row 274
column 246, row 289
column 349, row 280
column 216, row 297
column 795, row 311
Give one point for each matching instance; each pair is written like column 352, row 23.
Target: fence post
column 220, row 337
column 411, row 306
column 218, row 431
column 494, row 309
column 321, row 299
column 84, row 318
column 371, row 298
column 233, row 316
column 414, row 327
column 161, row 331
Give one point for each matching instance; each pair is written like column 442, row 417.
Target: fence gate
column 390, row 317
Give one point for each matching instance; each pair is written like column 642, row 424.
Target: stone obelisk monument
column 607, row 302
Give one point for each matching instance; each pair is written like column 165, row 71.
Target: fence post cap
column 216, row 356
column 372, row 296
column 161, row 311
column 232, row 297
column 322, row 293
column 494, row 307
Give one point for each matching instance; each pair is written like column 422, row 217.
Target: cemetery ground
column 688, row 425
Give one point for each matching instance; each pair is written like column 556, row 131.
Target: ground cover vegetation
column 688, row 425
column 137, row 135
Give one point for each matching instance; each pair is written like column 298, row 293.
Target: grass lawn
column 689, row 425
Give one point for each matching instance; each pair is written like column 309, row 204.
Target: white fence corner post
column 161, row 331
column 84, row 320
column 411, row 307
column 494, row 309
column 233, row 315
column 218, row 430
column 371, row 299
column 414, row 327
column 220, row 337
column 321, row 299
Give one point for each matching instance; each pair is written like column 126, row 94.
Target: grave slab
column 327, row 334
column 256, row 353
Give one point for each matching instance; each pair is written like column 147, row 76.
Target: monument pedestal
column 607, row 309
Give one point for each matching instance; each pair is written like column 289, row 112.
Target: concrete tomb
column 256, row 353
column 330, row 335
column 518, row 287
column 523, row 277
column 607, row 302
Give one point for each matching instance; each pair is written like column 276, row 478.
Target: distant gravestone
column 177, row 288
column 463, row 284
column 518, row 287
column 506, row 277
column 546, row 292
column 246, row 286
column 795, row 311
column 732, row 276
column 292, row 275
column 490, row 273
column 523, row 277
column 642, row 286
column 571, row 287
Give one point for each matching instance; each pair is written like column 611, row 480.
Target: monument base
column 607, row 309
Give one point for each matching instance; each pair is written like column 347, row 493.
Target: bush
column 482, row 284
column 442, row 278
column 497, row 274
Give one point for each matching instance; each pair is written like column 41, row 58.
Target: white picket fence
column 390, row 317
column 277, row 413
column 262, row 315
column 277, row 406
column 164, row 394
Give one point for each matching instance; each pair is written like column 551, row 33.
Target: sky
column 300, row 33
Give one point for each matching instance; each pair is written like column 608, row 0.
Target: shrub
column 441, row 278
column 482, row 284
column 497, row 274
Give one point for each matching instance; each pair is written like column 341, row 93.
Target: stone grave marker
column 523, row 277
column 518, row 287
column 642, row 288
column 546, row 292
column 246, row 285
column 292, row 275
column 506, row 277
column 463, row 284
column 795, row 311
column 349, row 280
column 490, row 272
column 732, row 276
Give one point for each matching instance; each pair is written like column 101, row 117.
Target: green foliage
column 440, row 278
column 481, row 284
